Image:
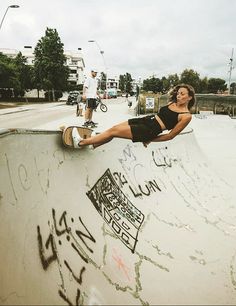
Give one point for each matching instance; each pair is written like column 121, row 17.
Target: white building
column 75, row 62
column 113, row 83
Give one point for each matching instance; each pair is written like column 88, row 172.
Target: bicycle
column 102, row 106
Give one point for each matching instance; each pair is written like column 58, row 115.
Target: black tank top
column 169, row 117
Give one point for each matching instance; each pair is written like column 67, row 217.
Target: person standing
column 79, row 109
column 80, row 106
column 90, row 96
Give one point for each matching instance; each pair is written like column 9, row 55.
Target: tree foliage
column 25, row 73
column 188, row 76
column 103, row 79
column 51, row 72
column 125, row 83
column 8, row 75
column 191, row 77
column 216, row 84
column 122, row 83
column 153, row 84
column 15, row 76
column 233, row 88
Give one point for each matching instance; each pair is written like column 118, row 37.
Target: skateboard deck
column 91, row 126
column 67, row 140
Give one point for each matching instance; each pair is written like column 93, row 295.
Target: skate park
column 121, row 224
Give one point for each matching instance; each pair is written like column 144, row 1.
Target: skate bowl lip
column 10, row 131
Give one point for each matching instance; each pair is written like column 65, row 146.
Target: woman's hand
column 146, row 143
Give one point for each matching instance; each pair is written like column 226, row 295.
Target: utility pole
column 105, row 66
column 231, row 67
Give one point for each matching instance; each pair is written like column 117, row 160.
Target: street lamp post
column 102, row 54
column 230, row 68
column 10, row 6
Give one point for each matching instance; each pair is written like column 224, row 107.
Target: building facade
column 75, row 62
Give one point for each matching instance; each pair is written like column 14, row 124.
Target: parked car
column 112, row 92
column 74, row 97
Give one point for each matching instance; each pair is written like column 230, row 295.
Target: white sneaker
column 76, row 138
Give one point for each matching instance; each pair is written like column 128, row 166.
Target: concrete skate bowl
column 119, row 225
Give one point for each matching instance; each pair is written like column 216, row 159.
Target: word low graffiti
column 50, row 250
column 116, row 209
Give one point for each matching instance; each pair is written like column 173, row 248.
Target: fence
column 219, row 104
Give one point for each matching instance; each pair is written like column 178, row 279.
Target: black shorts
column 144, row 129
column 91, row 103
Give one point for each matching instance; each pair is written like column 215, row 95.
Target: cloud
column 139, row 37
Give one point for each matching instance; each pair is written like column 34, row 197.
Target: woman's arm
column 183, row 122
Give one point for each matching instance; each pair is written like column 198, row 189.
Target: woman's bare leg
column 121, row 130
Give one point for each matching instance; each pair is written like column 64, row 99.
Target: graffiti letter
column 50, row 241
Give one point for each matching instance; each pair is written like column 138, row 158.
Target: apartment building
column 75, row 62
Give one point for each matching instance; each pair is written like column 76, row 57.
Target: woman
column 175, row 116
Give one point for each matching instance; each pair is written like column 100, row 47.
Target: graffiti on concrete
column 147, row 189
column 60, row 232
column 161, row 158
column 116, row 209
column 135, row 174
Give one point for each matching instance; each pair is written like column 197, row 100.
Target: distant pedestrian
column 90, row 94
column 80, row 108
column 127, row 100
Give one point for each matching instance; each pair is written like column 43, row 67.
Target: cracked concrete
column 146, row 227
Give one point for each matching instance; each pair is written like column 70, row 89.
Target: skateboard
column 67, row 140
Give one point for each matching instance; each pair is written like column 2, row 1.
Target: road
column 52, row 115
column 33, row 115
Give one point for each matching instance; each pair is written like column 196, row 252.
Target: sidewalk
column 118, row 111
column 13, row 108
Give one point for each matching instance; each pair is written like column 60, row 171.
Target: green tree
column 125, row 83
column 103, row 79
column 9, row 81
column 153, row 84
column 165, row 84
column 128, row 83
column 203, row 85
column 173, row 80
column 169, row 82
column 216, row 84
column 233, row 88
column 24, row 72
column 191, row 77
column 122, row 83
column 51, row 73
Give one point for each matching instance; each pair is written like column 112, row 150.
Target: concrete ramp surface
column 119, row 225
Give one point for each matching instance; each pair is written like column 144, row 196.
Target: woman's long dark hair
column 191, row 92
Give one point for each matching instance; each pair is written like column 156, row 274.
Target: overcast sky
column 142, row 37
